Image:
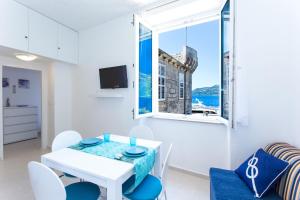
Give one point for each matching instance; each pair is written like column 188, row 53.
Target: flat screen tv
column 113, row 77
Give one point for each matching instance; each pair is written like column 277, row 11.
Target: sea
column 208, row 101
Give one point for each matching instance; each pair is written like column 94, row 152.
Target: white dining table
column 105, row 172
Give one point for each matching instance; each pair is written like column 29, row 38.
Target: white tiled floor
column 14, row 182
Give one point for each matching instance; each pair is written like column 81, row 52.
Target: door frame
column 43, row 68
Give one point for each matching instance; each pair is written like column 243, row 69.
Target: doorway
column 22, row 106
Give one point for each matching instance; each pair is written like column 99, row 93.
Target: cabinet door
column 13, row 25
column 67, row 45
column 42, row 35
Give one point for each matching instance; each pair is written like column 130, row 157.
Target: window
column 161, row 81
column 191, row 73
column 225, row 53
column 181, row 85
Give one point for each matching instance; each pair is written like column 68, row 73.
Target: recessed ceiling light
column 26, row 57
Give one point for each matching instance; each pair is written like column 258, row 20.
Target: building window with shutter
column 162, row 81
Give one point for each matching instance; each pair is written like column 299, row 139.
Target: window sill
column 192, row 118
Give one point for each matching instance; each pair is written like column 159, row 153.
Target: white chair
column 65, row 139
column 46, row 185
column 141, row 131
column 151, row 186
column 163, row 176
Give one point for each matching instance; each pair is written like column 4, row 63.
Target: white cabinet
column 26, row 30
column 13, row 25
column 19, row 123
column 42, row 35
column 67, row 44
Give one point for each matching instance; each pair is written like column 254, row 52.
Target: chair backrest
column 65, row 139
column 166, row 164
column 288, row 187
column 45, row 184
column 141, row 131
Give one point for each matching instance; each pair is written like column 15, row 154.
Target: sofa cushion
column 226, row 185
column 289, row 186
column 261, row 171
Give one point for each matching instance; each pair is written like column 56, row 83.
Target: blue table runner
column 142, row 165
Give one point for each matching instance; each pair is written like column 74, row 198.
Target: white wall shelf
column 108, row 95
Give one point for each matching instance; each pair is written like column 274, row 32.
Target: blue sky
column 205, row 39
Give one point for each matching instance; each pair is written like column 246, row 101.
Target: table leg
column 114, row 191
column 157, row 164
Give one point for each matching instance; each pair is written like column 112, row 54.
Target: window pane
column 181, row 77
column 181, row 93
column 163, row 71
column 192, row 69
column 159, row 95
column 225, row 61
column 159, row 69
column 181, row 85
column 145, row 70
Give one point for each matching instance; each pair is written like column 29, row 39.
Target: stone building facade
column 175, row 81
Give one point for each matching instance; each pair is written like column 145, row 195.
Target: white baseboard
column 190, row 172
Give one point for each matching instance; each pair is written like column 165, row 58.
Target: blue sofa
column 226, row 184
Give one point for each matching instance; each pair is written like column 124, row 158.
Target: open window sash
column 146, row 69
column 225, row 61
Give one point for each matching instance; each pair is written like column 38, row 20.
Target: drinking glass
column 106, row 137
column 133, row 141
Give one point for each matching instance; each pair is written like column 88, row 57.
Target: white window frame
column 162, row 65
column 179, row 84
column 183, row 117
column 194, row 20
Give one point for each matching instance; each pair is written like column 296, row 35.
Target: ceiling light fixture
column 26, row 57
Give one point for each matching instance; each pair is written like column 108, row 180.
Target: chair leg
column 165, row 193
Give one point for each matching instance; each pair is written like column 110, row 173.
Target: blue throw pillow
column 261, row 171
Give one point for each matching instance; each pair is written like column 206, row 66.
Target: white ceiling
column 82, row 14
column 182, row 12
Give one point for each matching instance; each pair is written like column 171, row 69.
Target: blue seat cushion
column 149, row 189
column 82, row 191
column 227, row 185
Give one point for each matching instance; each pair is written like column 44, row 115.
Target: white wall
column 268, row 61
column 108, row 45
column 31, row 96
column 267, row 105
column 197, row 146
column 60, row 98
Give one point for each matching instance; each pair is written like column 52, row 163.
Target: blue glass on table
column 133, row 141
column 106, row 137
